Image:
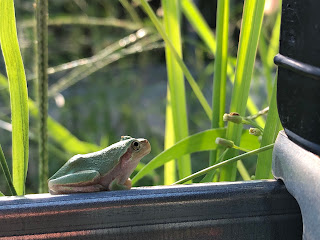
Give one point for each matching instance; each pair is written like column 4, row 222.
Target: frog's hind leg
column 73, row 189
column 83, row 181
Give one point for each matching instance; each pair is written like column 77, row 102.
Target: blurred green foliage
column 124, row 91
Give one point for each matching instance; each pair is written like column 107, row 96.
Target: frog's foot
column 114, row 185
column 76, row 189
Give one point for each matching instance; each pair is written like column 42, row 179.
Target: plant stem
column 224, row 163
column 42, row 66
column 133, row 14
column 260, row 113
column 85, row 21
column 209, row 176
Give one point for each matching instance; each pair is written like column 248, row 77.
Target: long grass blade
column 18, row 94
column 268, row 51
column 169, row 167
column 6, row 172
column 243, row 171
column 203, row 141
column 198, row 22
column 220, row 71
column 271, row 130
column 250, row 31
column 221, row 60
column 197, row 91
column 202, row 28
column 171, row 19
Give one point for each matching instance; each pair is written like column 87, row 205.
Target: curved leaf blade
column 202, row 141
column 18, row 94
column 273, row 126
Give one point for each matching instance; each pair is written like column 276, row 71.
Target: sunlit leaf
column 250, row 31
column 169, row 167
column 203, row 141
column 196, row 89
column 6, row 172
column 171, row 19
column 273, row 126
column 18, row 94
column 249, row 141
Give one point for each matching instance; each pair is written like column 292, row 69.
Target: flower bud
column 232, row 117
column 255, row 132
column 224, row 142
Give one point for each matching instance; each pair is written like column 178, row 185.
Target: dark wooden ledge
column 241, row 210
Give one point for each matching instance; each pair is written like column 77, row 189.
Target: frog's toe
column 128, row 183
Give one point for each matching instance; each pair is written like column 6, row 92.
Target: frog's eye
column 135, row 145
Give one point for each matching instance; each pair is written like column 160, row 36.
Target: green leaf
column 202, row 28
column 202, row 141
column 199, row 23
column 6, row 172
column 249, row 141
column 171, row 19
column 220, row 71
column 224, row 163
column 169, row 167
column 18, row 94
column 250, row 31
column 270, row 133
column 267, row 52
column 196, row 89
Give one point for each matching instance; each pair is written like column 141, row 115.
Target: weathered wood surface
column 241, row 210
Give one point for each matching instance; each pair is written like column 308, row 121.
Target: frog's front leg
column 115, row 185
column 83, row 181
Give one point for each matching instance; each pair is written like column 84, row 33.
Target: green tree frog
column 107, row 169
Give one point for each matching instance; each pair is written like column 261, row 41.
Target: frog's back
column 101, row 161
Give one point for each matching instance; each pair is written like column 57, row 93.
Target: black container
column 298, row 93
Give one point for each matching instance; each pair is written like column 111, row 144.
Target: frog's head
column 136, row 148
column 139, row 147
